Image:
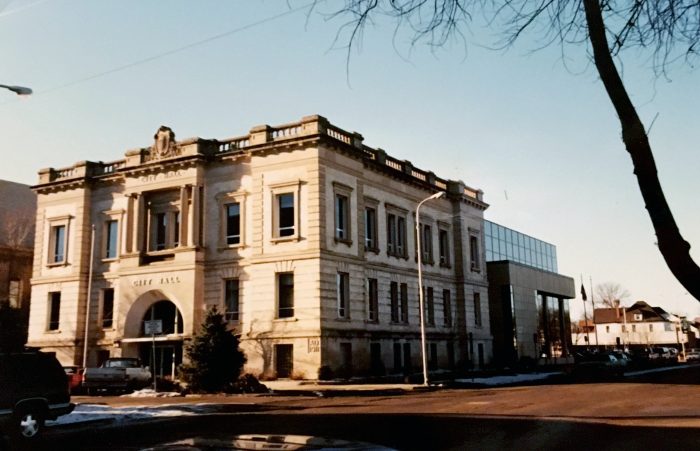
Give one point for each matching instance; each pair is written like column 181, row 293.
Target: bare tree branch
column 16, row 229
column 668, row 29
column 610, row 294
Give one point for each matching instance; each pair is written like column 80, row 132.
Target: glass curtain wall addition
column 552, row 326
column 503, row 243
column 540, row 337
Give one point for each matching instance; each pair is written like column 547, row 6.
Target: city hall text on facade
column 300, row 234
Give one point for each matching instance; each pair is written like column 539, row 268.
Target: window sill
column 157, row 257
column 53, row 332
column 344, row 319
column 343, row 241
column 371, row 321
column 445, row 265
column 110, row 260
column 373, row 250
column 284, row 239
column 231, row 247
column 167, row 251
column 57, row 264
column 285, row 320
column 399, row 256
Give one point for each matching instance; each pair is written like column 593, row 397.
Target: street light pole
column 19, row 90
column 419, row 251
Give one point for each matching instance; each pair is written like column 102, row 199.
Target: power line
column 3, row 5
column 175, row 50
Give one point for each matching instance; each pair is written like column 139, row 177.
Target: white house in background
column 637, row 325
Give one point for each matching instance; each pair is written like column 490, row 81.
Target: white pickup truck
column 123, row 373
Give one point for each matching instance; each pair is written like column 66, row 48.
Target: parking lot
column 653, row 410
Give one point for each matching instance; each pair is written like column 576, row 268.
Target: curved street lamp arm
column 19, row 90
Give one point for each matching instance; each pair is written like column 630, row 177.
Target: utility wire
column 4, row 4
column 175, row 50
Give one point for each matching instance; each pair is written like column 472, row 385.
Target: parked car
column 118, row 374
column 623, row 357
column 692, row 354
column 660, row 353
column 598, row 365
column 33, row 389
column 75, row 378
column 640, row 355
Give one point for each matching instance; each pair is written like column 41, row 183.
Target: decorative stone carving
column 164, row 144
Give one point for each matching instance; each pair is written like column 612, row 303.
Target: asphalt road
column 649, row 412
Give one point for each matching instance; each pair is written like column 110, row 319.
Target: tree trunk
column 674, row 249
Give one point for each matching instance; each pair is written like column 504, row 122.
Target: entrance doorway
column 284, row 356
column 166, row 356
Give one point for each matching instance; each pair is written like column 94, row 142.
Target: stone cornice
column 262, row 139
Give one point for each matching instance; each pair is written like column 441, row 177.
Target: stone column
column 128, row 226
column 195, row 220
column 184, row 216
column 140, row 222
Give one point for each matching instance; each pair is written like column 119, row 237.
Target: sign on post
column 154, row 327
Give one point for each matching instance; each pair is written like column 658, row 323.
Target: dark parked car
column 623, row 357
column 598, row 365
column 33, row 389
column 692, row 355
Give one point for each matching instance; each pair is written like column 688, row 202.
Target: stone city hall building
column 301, row 234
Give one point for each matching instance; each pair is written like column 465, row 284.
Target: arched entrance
column 164, row 352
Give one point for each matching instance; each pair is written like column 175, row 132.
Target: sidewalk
column 287, row 386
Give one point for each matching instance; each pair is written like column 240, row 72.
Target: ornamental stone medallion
column 164, row 144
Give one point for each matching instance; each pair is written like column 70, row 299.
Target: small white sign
column 154, row 327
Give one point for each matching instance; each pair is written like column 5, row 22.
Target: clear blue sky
column 539, row 138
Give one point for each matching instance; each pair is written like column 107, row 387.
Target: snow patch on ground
column 150, row 393
column 93, row 412
column 511, row 379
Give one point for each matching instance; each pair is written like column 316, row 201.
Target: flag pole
column 595, row 327
column 585, row 316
